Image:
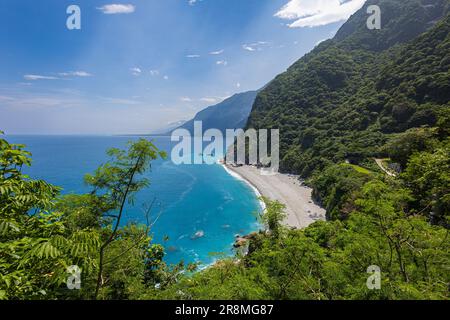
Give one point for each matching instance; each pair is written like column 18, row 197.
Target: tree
column 404, row 145
column 42, row 233
column 428, row 176
column 35, row 248
column 273, row 216
column 117, row 182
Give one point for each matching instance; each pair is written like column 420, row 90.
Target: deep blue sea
column 202, row 199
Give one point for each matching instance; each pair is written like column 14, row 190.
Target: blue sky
column 137, row 65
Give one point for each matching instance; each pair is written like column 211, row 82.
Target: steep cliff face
column 345, row 98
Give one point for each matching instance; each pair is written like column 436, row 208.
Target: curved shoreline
column 300, row 209
column 252, row 186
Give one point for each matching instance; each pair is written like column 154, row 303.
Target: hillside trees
column 349, row 96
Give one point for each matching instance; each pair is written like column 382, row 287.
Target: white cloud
column 216, row 52
column 312, row 13
column 6, row 98
column 81, row 74
column 166, row 77
column 222, row 63
column 136, row 71
column 248, row 48
column 185, row 99
column 193, row 56
column 208, row 100
column 257, row 46
column 154, row 72
column 120, row 101
column 238, row 85
column 61, row 75
column 34, row 77
column 117, row 8
column 39, row 101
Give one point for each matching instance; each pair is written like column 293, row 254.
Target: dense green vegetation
column 329, row 260
column 363, row 95
column 42, row 234
column 347, row 98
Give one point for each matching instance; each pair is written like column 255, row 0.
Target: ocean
column 203, row 207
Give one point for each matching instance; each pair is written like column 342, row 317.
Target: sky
column 136, row 66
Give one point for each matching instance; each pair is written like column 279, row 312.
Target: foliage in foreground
column 377, row 223
column 42, row 234
column 329, row 260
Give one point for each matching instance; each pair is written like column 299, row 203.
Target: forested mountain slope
column 351, row 94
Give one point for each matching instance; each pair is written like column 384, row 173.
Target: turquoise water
column 194, row 198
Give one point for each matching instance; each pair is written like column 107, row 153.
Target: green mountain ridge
column 350, row 95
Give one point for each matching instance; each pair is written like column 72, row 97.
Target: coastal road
column 380, row 164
